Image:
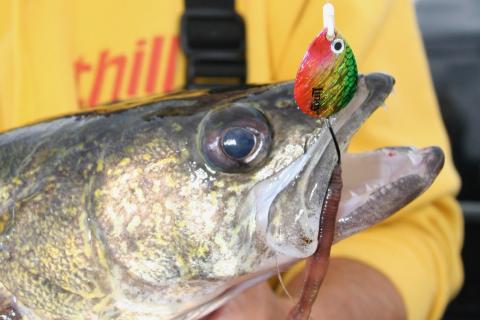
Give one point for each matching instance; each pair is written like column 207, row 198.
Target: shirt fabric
column 61, row 56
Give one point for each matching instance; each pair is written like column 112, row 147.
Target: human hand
column 351, row 290
column 256, row 303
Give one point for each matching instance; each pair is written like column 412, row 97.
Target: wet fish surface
column 168, row 207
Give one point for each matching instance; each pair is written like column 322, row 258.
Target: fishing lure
column 326, row 82
column 327, row 78
column 317, row 265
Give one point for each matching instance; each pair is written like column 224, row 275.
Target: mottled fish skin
column 112, row 212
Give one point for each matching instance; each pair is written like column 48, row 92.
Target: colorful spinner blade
column 327, row 78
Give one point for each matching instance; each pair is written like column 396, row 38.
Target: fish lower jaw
column 377, row 184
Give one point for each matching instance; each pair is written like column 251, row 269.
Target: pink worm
column 317, row 264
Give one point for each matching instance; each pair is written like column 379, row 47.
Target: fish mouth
column 376, row 183
column 389, row 179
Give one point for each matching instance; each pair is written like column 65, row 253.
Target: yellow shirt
column 60, row 56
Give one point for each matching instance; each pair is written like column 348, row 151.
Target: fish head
column 231, row 187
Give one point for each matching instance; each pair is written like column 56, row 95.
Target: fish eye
column 234, row 139
column 337, row 46
column 238, row 143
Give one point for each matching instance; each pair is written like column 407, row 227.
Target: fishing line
column 335, row 142
column 280, row 279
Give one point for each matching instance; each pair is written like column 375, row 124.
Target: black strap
column 213, row 39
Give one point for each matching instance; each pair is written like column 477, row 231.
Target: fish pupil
column 238, row 143
column 338, row 46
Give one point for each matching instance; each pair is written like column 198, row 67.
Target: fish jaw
column 376, row 184
column 290, row 219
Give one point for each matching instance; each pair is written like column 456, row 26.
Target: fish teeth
column 353, row 194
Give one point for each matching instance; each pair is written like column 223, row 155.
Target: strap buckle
column 213, row 40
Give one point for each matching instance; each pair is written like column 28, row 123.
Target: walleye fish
column 168, row 207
